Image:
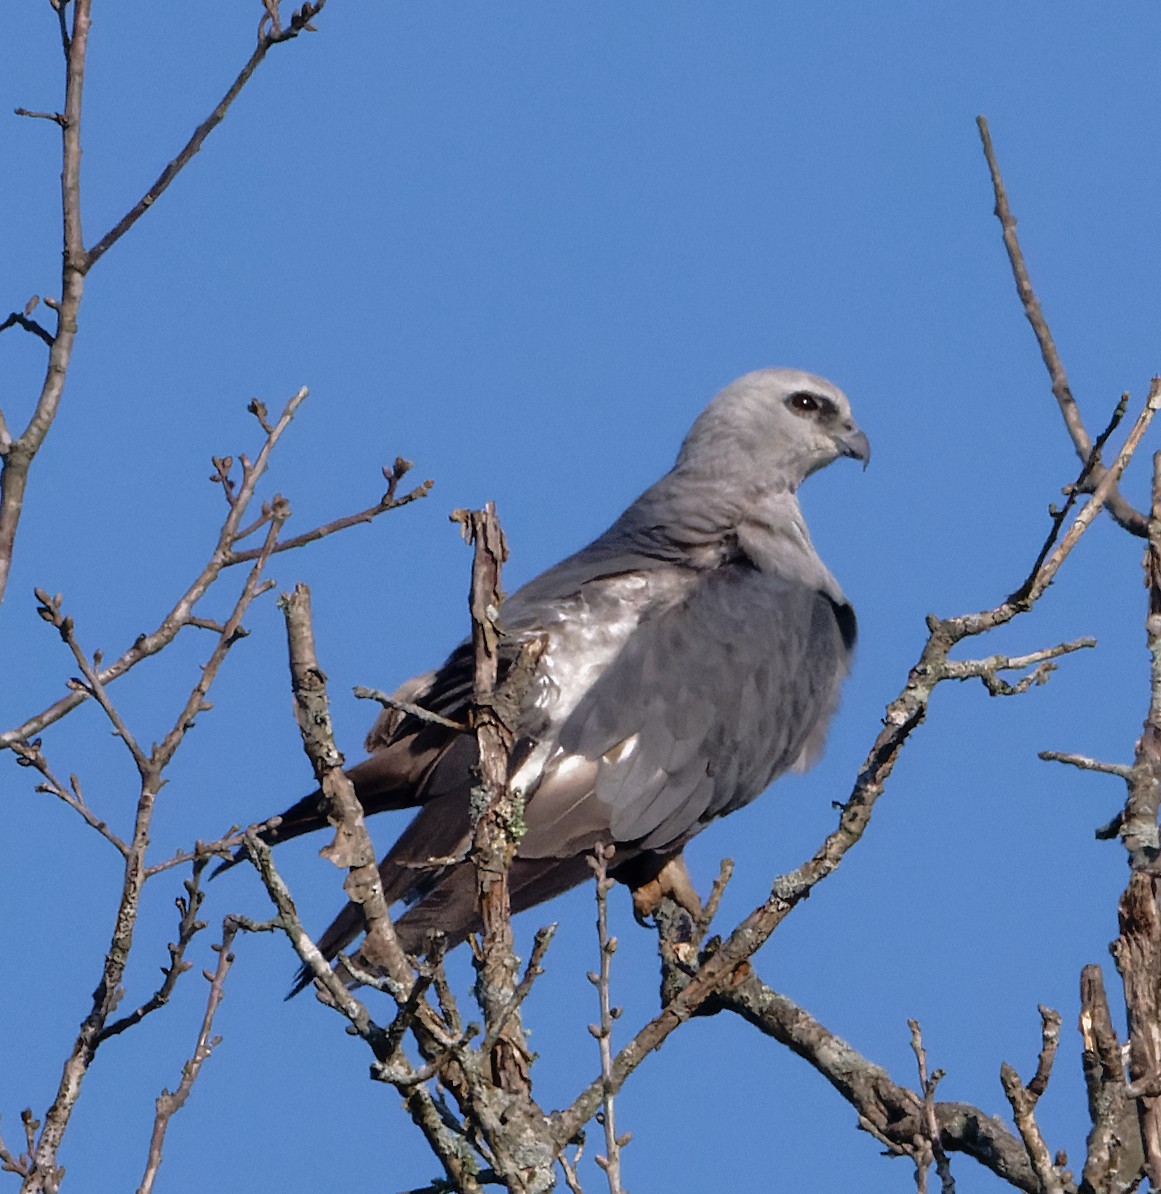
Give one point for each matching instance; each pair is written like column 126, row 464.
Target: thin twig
column 1049, row 1039
column 222, row 847
column 540, row 943
column 363, row 693
column 288, row 922
column 207, row 126
column 179, row 616
column 50, row 610
column 448, row 1007
column 603, row 1031
column 55, row 117
column 188, row 928
column 713, row 902
column 1132, row 520
column 1105, row 489
column 933, row 1150
column 1120, row 770
column 1081, row 486
column 987, row 670
column 569, row 1168
column 352, row 848
column 230, row 633
column 168, row 1104
column 29, row 325
column 30, row 754
column 338, row 524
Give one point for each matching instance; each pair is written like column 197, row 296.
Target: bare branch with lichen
column 1023, row 1112
column 1085, row 763
column 352, row 848
column 188, row 928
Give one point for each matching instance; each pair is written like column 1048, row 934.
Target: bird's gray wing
column 412, row 761
column 710, row 698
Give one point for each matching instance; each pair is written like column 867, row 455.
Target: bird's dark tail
column 300, row 818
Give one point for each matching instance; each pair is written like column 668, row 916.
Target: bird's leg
column 671, row 880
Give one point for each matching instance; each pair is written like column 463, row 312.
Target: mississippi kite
column 694, row 653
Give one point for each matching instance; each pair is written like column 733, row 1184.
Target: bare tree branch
column 29, row 754
column 1049, row 1040
column 1132, row 520
column 29, row 325
column 933, row 1150
column 363, row 693
column 499, row 811
column 389, row 501
column 188, row 928
column 1023, row 1111
column 161, row 183
column 168, row 1104
column 892, row 1112
column 1084, row 763
column 1137, row 949
column 603, row 1029
column 987, row 670
column 352, row 848
column 18, row 454
column 95, row 1028
column 1115, row 1157
column 182, row 614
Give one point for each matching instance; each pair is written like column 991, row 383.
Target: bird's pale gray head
column 777, row 424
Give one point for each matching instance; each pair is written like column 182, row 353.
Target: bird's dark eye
column 803, row 403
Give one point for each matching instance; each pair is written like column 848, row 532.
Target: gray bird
column 694, row 653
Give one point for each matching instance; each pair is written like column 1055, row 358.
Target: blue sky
column 522, row 246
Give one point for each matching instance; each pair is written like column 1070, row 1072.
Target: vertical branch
column 603, row 1031
column 1050, row 1173
column 1137, row 949
column 1113, row 1153
column 1024, row 1113
column 70, row 179
column 932, row 1149
column 17, row 456
column 352, row 847
column 494, row 807
column 498, row 1092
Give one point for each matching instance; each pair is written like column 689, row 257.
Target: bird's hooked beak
column 855, row 444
